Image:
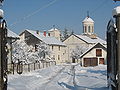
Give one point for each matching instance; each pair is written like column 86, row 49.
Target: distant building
column 87, row 39
column 56, row 47
column 54, row 32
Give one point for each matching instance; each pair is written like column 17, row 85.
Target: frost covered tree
column 78, row 51
column 65, row 34
column 42, row 52
column 20, row 51
column 26, row 53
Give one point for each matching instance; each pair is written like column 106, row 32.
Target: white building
column 87, row 40
column 54, row 32
column 56, row 47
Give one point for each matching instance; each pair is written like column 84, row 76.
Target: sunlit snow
column 61, row 77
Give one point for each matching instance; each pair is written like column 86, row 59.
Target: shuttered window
column 98, row 52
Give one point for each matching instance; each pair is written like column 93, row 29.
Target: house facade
column 94, row 56
column 56, row 47
column 86, row 40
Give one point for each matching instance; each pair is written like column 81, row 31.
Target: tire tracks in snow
column 53, row 77
column 45, row 81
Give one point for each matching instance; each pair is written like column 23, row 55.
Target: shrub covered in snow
column 78, row 51
column 27, row 54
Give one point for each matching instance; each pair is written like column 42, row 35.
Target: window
column 58, row 57
column 59, row 48
column 85, row 29
column 92, row 29
column 36, row 47
column 98, row 52
column 48, row 34
column 54, row 57
column 89, row 29
column 52, row 48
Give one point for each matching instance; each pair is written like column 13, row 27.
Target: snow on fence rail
column 12, row 68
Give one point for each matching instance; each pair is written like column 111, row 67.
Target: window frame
column 98, row 52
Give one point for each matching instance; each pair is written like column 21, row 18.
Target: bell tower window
column 89, row 29
column 85, row 29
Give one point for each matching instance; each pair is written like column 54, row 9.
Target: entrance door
column 101, row 61
column 90, row 62
column 73, row 60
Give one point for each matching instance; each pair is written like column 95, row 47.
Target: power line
column 101, row 5
column 33, row 13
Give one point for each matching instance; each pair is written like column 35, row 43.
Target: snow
column 116, row 11
column 53, row 29
column 48, row 40
column 53, row 41
column 23, row 52
column 88, row 19
column 61, row 77
column 90, row 40
column 1, row 13
column 89, row 49
column 12, row 34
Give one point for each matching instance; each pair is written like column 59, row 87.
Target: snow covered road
column 61, row 77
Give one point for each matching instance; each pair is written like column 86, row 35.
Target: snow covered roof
column 94, row 46
column 53, row 29
column 12, row 34
column 90, row 40
column 47, row 39
column 116, row 11
column 88, row 19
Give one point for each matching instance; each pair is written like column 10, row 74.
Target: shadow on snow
column 76, row 87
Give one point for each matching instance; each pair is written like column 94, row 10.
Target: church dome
column 88, row 19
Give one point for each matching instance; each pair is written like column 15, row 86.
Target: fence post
column 13, row 68
column 28, row 67
column 39, row 65
column 46, row 64
column 43, row 64
column 49, row 64
column 34, row 66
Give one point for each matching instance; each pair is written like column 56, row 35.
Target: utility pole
column 3, row 51
column 116, row 15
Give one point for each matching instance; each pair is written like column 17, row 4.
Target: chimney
column 44, row 33
column 48, row 34
column 38, row 32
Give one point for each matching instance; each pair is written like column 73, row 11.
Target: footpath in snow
column 61, row 77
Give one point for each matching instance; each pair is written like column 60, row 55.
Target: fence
column 12, row 68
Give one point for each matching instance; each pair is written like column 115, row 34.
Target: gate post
column 116, row 15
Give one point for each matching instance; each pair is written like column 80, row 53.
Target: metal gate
column 112, row 55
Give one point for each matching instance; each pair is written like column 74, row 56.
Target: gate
column 112, row 55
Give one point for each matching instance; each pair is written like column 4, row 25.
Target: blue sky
column 43, row 14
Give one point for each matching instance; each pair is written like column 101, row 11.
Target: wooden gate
column 90, row 62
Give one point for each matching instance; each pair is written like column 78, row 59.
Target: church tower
column 88, row 26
